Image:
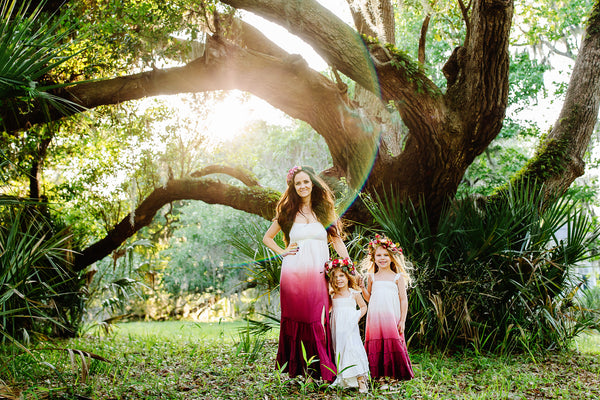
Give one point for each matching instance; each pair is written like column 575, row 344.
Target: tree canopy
column 391, row 119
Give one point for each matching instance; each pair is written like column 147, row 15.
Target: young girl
column 385, row 290
column 350, row 355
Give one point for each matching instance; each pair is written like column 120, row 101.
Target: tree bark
column 374, row 18
column 559, row 160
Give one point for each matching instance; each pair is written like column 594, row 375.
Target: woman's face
column 340, row 280
column 382, row 257
column 303, row 184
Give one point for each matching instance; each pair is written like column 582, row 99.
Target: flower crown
column 345, row 264
column 386, row 243
column 291, row 173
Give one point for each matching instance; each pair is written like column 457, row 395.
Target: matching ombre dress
column 350, row 355
column 386, row 348
column 304, row 301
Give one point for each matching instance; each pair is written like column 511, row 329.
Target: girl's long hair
column 398, row 264
column 322, row 204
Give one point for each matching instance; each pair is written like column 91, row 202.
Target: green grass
column 185, row 360
column 182, row 330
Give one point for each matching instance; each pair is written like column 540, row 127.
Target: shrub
column 492, row 275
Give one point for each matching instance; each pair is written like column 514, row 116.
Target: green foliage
column 116, row 283
column 263, row 266
column 31, row 46
column 503, row 158
column 526, row 81
column 249, row 346
column 129, row 35
column 551, row 22
column 494, row 275
column 269, row 151
column 200, row 256
column 39, row 293
column 549, row 161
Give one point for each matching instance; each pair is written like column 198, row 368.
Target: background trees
column 412, row 96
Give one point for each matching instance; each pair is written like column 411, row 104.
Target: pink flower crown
column 291, row 172
column 386, row 243
column 345, row 264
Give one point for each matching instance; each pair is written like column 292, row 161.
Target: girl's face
column 340, row 280
column 303, row 184
column 382, row 258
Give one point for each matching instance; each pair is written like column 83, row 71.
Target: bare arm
column 339, row 247
column 366, row 289
column 269, row 241
column 403, row 303
column 361, row 303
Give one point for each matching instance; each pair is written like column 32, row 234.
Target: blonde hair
column 398, row 264
column 352, row 279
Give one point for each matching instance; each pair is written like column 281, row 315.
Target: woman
column 306, row 216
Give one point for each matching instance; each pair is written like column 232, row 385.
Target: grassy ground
column 184, row 360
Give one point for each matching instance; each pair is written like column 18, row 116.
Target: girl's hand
column 401, row 327
column 361, row 282
column 292, row 249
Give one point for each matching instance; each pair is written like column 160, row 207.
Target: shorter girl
column 387, row 279
column 350, row 355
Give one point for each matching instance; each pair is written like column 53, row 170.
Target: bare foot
column 362, row 385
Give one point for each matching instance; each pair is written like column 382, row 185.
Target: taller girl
column 385, row 290
column 306, row 215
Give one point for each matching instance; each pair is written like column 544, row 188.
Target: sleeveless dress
column 350, row 355
column 304, row 298
column 386, row 348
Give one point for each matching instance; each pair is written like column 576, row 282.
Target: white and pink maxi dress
column 304, row 302
column 386, row 348
column 350, row 355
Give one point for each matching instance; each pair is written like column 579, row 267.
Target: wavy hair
column 398, row 264
column 352, row 279
column 321, row 201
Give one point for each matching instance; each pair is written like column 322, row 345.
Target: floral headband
column 345, row 264
column 291, row 173
column 386, row 243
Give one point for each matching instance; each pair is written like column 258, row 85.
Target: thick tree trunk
column 559, row 160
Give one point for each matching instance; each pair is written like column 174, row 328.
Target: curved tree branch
column 254, row 200
column 238, row 173
column 288, row 84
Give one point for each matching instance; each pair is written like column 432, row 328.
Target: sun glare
column 236, row 112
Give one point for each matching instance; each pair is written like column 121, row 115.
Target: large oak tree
column 445, row 128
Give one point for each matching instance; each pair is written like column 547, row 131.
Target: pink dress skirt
column 386, row 348
column 304, row 301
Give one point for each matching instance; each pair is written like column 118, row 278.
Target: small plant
column 249, row 346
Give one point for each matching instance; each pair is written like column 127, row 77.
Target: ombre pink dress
column 304, row 301
column 386, row 348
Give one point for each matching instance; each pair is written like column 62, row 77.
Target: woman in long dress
column 307, row 218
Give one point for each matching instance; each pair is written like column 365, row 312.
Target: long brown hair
column 321, row 202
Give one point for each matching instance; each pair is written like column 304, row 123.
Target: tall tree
column 445, row 129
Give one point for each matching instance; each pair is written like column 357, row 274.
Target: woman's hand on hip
column 292, row 249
